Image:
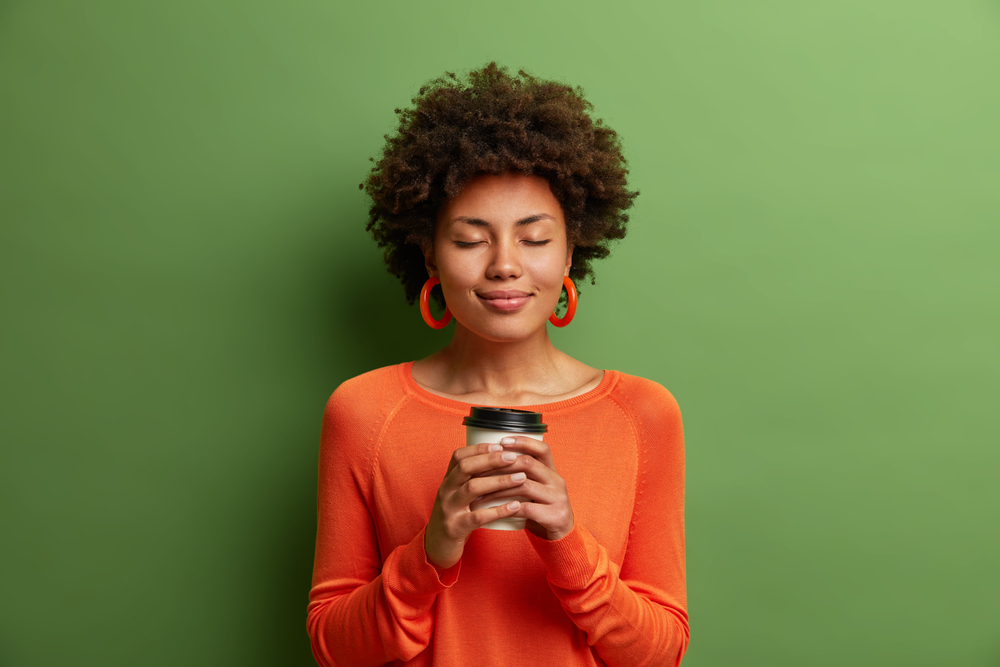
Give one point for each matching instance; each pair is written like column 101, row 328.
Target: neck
column 472, row 364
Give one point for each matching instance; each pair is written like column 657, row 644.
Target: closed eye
column 467, row 244
column 538, row 242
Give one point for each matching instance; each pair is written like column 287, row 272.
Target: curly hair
column 495, row 123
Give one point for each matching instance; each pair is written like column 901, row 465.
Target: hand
column 452, row 520
column 550, row 514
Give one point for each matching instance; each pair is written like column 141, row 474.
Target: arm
column 636, row 615
column 363, row 611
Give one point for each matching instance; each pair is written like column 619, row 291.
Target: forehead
column 502, row 198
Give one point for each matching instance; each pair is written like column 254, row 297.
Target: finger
column 478, row 487
column 469, row 467
column 526, row 445
column 529, row 490
column 482, row 517
column 535, row 470
column 473, row 450
column 553, row 518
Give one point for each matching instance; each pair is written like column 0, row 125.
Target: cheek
column 458, row 275
column 549, row 270
column 459, row 270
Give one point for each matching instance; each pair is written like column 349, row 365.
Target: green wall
column 811, row 270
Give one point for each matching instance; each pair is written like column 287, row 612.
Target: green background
column 811, row 270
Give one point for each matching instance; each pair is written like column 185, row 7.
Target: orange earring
column 570, row 305
column 425, row 306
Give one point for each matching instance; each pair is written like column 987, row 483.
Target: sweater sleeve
column 363, row 611
column 634, row 615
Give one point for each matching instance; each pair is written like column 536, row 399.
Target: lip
column 504, row 300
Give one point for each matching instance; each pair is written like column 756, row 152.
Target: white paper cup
column 475, row 435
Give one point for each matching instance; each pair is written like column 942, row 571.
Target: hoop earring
column 425, row 306
column 570, row 305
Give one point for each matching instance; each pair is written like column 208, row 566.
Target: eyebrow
column 479, row 222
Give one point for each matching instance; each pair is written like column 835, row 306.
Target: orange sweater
column 611, row 592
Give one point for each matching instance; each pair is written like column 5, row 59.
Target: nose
column 505, row 262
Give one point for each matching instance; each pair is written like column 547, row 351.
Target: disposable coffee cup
column 486, row 424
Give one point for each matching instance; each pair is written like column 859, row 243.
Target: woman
column 504, row 190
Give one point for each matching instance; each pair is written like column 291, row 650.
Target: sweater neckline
column 411, row 387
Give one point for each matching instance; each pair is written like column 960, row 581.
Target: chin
column 504, row 329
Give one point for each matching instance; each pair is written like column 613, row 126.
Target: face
column 500, row 251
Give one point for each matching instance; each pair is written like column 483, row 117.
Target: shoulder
column 647, row 401
column 656, row 418
column 360, row 405
column 368, row 385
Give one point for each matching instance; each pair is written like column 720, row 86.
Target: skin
column 500, row 250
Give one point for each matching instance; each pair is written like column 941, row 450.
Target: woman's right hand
column 452, row 520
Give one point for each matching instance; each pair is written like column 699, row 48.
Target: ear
column 569, row 259
column 427, row 247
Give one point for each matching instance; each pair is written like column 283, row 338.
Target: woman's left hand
column 549, row 513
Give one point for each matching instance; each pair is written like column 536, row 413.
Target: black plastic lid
column 506, row 419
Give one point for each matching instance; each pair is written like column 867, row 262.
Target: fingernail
column 509, row 456
column 513, row 506
column 507, row 441
column 518, row 476
column 495, row 448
